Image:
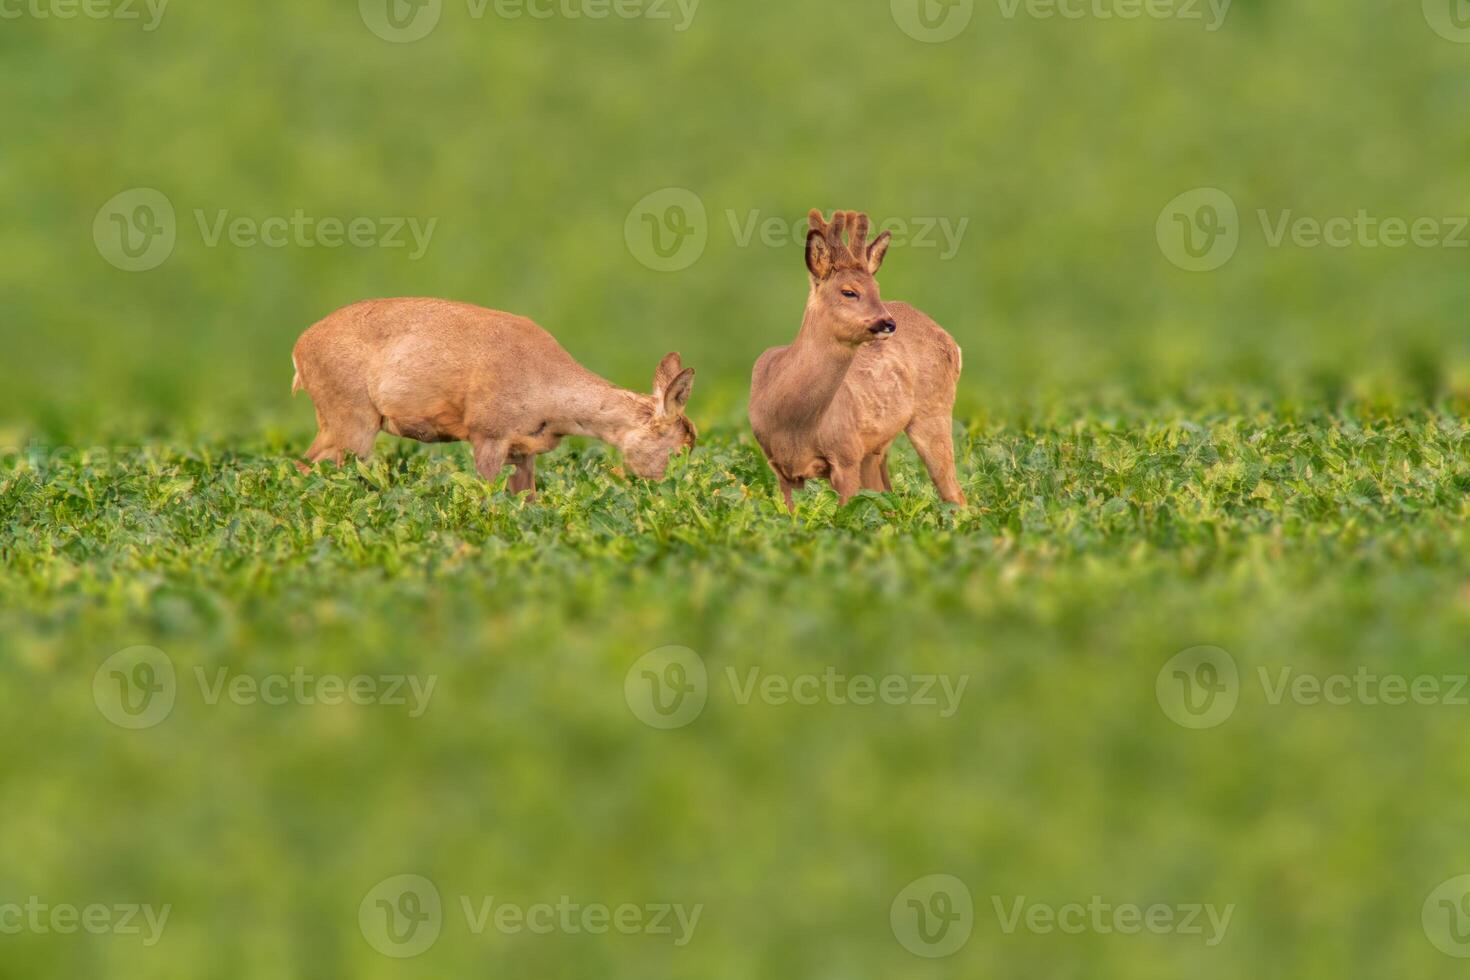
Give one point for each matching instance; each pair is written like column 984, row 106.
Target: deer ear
column 877, row 251
column 668, row 370
column 676, row 395
column 818, row 255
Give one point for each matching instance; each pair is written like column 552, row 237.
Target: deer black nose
column 883, row 327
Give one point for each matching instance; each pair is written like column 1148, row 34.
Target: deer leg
column 321, row 447
column 523, row 480
column 489, row 456
column 359, row 438
column 875, row 471
column 786, row 488
column 933, row 440
column 846, row 480
column 340, row 434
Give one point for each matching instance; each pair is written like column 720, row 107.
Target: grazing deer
column 859, row 373
column 438, row 371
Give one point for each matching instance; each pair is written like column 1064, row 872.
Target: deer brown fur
column 859, row 372
column 439, row 371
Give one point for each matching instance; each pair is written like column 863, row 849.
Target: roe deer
column 439, row 371
column 859, row 373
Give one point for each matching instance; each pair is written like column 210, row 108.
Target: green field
column 250, row 699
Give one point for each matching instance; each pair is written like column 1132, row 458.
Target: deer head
column 661, row 427
column 844, row 300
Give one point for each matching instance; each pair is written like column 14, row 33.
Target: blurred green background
column 1266, row 457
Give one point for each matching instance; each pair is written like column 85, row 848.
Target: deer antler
column 859, row 233
column 854, row 252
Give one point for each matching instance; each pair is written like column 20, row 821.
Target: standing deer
column 859, row 373
column 438, row 371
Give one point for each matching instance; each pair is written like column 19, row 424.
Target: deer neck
column 596, row 407
column 809, row 376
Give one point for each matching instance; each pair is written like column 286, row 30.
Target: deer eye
column 850, row 293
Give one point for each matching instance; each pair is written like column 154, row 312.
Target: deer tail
column 296, row 384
